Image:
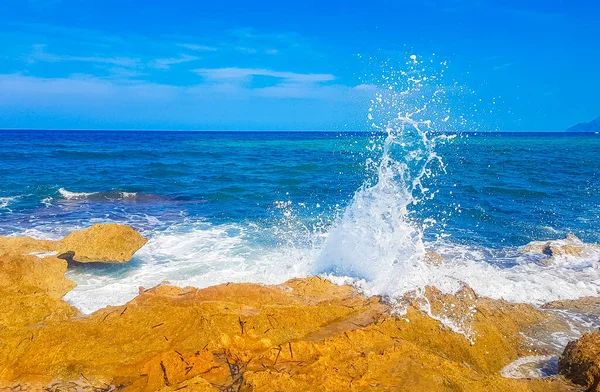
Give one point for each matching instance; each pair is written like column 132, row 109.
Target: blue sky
column 182, row 64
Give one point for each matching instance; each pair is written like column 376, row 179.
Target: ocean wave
column 376, row 243
column 102, row 196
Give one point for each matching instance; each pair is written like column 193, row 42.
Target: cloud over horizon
column 297, row 58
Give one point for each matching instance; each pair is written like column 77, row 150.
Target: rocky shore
column 303, row 335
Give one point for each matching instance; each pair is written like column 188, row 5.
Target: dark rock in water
column 592, row 126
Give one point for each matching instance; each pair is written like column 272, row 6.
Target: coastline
column 305, row 334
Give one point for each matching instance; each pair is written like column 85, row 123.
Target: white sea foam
column 68, row 195
column 216, row 254
column 532, row 367
column 74, row 195
column 5, row 201
column 201, row 257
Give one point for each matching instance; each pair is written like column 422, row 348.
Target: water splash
column 376, row 238
column 378, row 241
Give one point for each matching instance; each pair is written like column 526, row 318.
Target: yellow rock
column 589, row 305
column 34, row 275
column 24, row 246
column 30, row 292
column 304, row 335
column 570, row 246
column 307, row 334
column 101, row 243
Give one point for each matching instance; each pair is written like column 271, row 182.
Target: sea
column 354, row 207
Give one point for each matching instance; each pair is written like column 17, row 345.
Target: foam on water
column 532, row 367
column 202, row 256
column 5, row 201
column 68, row 195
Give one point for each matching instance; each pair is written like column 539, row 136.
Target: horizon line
column 252, row 130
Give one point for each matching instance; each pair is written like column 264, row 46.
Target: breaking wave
column 113, row 195
column 68, row 195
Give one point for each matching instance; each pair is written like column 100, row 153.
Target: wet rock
column 580, row 362
column 102, row 243
column 433, row 258
column 586, row 305
column 570, row 246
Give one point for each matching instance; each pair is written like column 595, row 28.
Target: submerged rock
column 580, row 362
column 570, row 246
column 101, row 243
column 586, row 305
column 433, row 258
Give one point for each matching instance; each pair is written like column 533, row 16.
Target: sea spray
column 377, row 241
column 376, row 238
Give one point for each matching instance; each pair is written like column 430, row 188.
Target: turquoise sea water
column 260, row 206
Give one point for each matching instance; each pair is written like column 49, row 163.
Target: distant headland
column 592, row 126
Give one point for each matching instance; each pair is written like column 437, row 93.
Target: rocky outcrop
column 307, row 334
column 24, row 246
column 30, row 293
column 580, row 362
column 101, row 243
column 34, row 275
column 570, row 246
column 304, row 335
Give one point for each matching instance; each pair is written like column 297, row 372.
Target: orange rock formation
column 101, row 243
column 304, row 335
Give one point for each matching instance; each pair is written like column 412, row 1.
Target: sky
column 280, row 65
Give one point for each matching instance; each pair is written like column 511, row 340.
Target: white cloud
column 235, row 73
column 501, row 66
column 89, row 102
column 39, row 54
column 198, row 48
column 166, row 63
